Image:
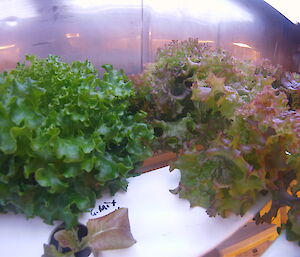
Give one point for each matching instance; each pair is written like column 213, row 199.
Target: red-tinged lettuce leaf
column 288, row 123
column 265, row 106
column 195, row 185
column 192, row 81
column 268, row 134
column 51, row 251
column 217, row 96
column 110, row 232
column 234, row 125
column 168, row 133
column 290, row 84
column 68, row 238
column 219, row 180
column 105, row 233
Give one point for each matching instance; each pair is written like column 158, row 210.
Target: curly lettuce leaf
column 66, row 133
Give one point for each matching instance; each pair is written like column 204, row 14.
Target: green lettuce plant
column 65, row 136
column 235, row 126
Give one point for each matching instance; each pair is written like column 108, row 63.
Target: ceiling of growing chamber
column 289, row 8
column 127, row 33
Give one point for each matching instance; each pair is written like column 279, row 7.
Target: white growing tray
column 162, row 224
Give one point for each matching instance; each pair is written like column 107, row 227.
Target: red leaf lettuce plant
column 234, row 125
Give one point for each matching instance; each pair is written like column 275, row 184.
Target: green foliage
column 65, row 136
column 218, row 180
column 236, row 135
column 293, row 224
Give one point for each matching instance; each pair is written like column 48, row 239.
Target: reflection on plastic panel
column 213, row 11
column 16, row 9
column 127, row 33
column 195, row 18
column 101, row 31
column 81, row 6
column 221, row 23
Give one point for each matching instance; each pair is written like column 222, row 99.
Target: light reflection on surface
column 205, row 41
column 96, row 5
column 7, row 46
column 242, row 45
column 17, row 8
column 246, row 53
column 72, row 35
column 10, row 55
column 11, row 23
column 212, row 11
column 123, row 33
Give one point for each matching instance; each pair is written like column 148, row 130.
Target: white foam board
column 162, row 224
